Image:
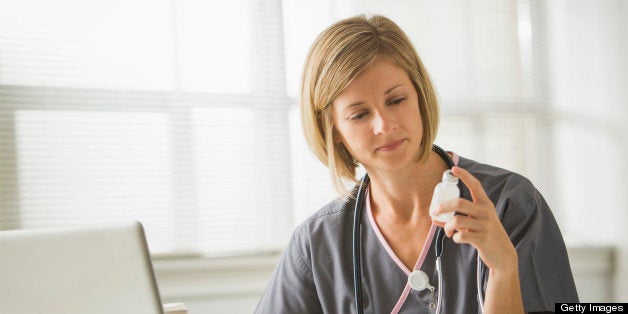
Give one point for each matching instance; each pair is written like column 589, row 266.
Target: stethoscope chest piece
column 418, row 280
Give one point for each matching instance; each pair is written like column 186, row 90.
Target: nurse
column 367, row 99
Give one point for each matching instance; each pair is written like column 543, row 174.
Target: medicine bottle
column 446, row 190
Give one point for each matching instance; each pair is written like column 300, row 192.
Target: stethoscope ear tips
column 418, row 280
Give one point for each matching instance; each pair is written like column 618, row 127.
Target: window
column 183, row 113
column 169, row 112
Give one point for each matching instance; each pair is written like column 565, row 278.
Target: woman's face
column 377, row 118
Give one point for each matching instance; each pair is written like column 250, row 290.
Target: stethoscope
column 418, row 279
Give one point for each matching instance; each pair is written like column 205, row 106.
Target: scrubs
column 315, row 273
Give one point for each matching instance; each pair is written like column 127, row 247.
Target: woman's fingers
column 461, row 223
column 460, row 206
column 471, row 238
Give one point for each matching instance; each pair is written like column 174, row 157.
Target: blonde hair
column 338, row 55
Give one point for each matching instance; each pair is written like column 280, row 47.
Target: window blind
column 169, row 112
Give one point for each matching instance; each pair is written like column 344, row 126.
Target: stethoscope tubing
column 357, row 247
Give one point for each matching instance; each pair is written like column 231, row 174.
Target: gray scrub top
column 315, row 273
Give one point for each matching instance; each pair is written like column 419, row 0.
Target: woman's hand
column 479, row 226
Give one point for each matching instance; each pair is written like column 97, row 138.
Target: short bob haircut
column 337, row 56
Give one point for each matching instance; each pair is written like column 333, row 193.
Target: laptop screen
column 102, row 268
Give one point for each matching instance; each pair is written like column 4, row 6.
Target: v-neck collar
column 426, row 245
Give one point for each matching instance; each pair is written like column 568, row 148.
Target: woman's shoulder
column 498, row 182
column 328, row 228
column 507, row 189
column 331, row 210
column 331, row 218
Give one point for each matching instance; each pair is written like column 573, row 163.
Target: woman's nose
column 384, row 122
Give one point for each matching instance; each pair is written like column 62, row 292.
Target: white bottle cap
column 418, row 280
column 448, row 176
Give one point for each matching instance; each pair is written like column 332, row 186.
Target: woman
column 367, row 99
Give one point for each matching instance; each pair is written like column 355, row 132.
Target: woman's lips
column 390, row 147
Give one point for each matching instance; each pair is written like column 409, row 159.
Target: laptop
column 101, row 268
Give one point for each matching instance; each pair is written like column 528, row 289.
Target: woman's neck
column 405, row 196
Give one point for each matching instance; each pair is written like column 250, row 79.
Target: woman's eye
column 397, row 101
column 358, row 115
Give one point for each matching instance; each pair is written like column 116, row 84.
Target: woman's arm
column 503, row 292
